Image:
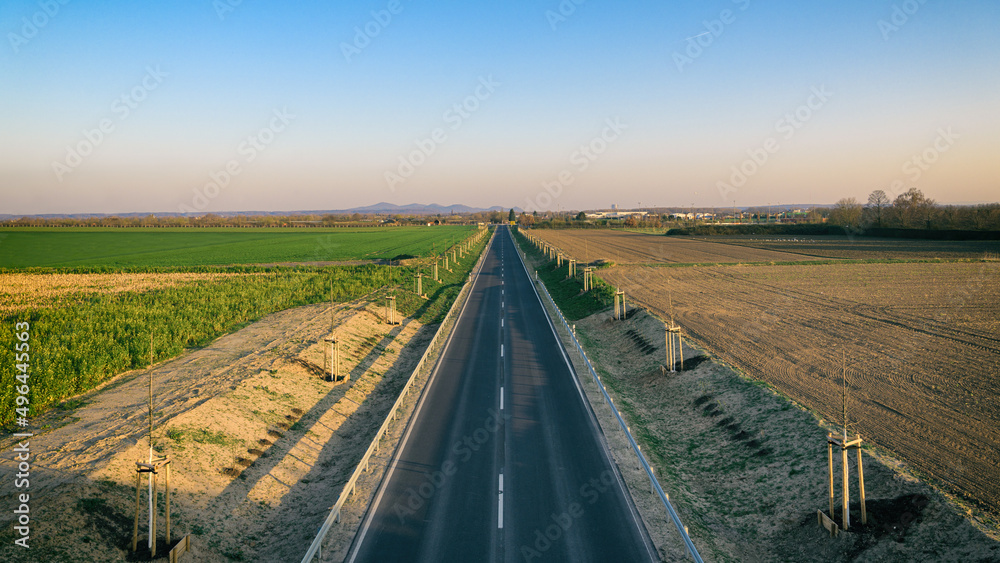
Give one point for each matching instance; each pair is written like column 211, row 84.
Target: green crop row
column 75, row 347
column 88, row 339
column 439, row 295
column 115, row 249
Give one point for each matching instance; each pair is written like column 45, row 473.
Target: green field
column 187, row 247
column 80, row 340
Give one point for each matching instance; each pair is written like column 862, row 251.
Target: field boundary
column 823, row 261
column 654, row 482
column 443, row 332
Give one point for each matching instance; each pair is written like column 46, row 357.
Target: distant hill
column 417, row 209
column 382, row 208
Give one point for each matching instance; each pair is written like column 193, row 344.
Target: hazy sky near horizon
column 228, row 105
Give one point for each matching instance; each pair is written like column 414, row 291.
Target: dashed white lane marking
column 500, row 505
column 501, row 398
column 501, row 350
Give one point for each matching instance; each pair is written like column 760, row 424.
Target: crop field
column 187, row 247
column 623, row 247
column 20, row 292
column 86, row 328
column 83, row 339
column 920, row 340
column 865, row 248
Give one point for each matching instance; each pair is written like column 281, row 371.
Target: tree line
column 913, row 210
column 243, row 221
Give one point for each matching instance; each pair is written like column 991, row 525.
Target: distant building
column 615, row 214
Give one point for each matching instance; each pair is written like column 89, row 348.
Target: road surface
column 503, row 459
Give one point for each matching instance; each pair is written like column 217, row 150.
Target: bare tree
column 913, row 209
column 877, row 202
column 847, row 212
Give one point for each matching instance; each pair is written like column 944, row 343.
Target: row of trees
column 913, row 210
column 213, row 220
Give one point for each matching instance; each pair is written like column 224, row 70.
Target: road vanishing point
column 503, row 459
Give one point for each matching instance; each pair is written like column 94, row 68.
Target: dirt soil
column 620, row 247
column 920, row 342
column 747, row 470
column 867, row 248
column 260, row 442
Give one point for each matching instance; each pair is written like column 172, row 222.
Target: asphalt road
column 503, row 459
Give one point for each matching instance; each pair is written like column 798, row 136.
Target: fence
column 317, row 544
column 621, row 421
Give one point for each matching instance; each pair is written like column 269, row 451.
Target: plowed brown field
column 921, row 342
column 864, row 248
column 623, row 247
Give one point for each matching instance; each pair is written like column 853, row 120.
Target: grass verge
column 567, row 291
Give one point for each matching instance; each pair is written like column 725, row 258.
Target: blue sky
column 559, row 105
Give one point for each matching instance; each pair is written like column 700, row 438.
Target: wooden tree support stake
column 844, row 446
column 826, row 522
column 620, row 305
column 675, row 347
column 334, row 359
column 153, row 470
column 390, row 309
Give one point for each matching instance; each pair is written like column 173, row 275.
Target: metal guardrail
column 621, row 421
column 317, row 544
